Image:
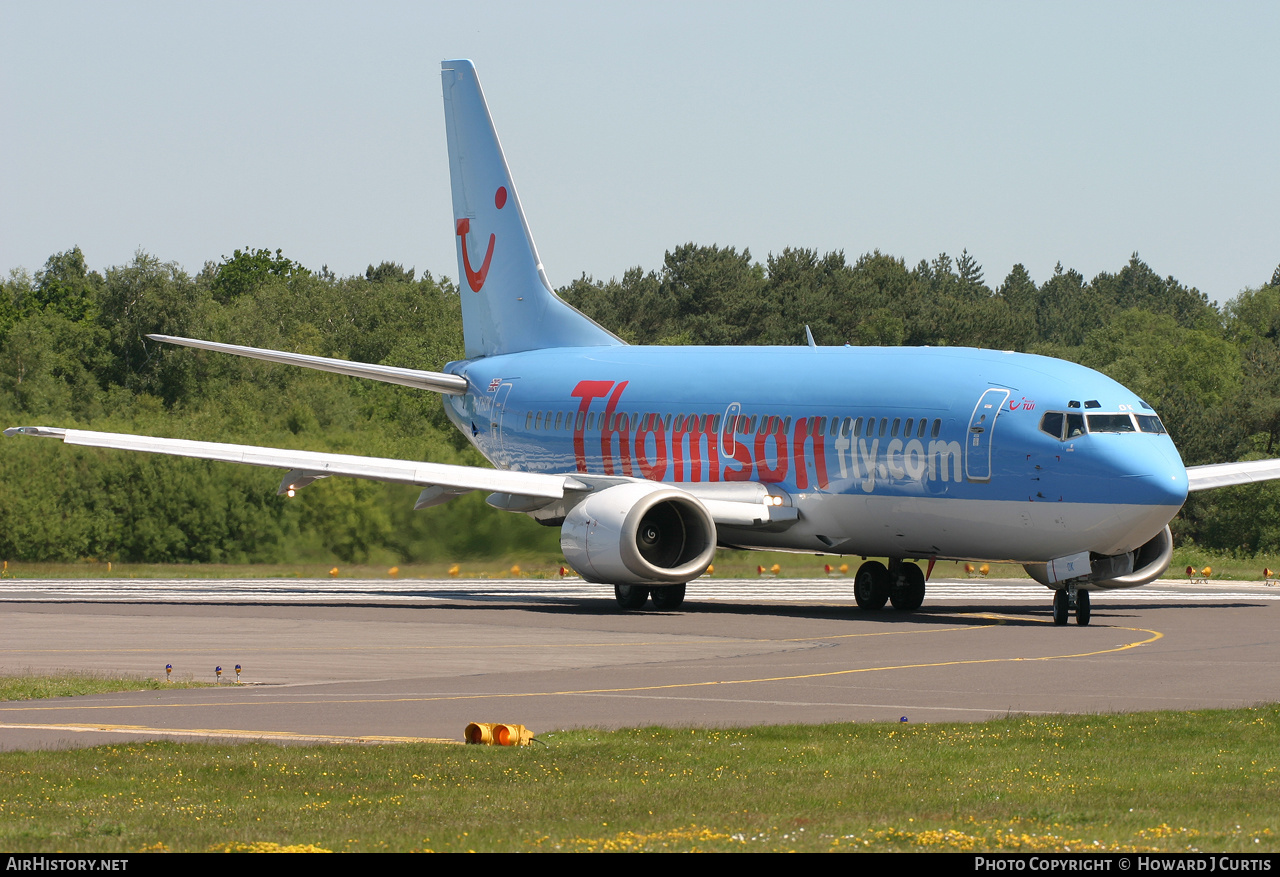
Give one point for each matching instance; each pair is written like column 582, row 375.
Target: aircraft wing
column 1227, row 474
column 437, row 382
column 515, row 491
column 310, row 465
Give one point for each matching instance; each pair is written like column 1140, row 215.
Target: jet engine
column 1129, row 570
column 639, row 534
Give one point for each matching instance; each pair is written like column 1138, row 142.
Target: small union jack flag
column 494, row 384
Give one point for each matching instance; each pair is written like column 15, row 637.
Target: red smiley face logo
column 475, row 279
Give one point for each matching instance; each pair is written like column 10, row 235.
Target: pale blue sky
column 1026, row 132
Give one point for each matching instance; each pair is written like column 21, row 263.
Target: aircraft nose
column 1154, row 475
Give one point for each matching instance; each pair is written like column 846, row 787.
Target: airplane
column 648, row 458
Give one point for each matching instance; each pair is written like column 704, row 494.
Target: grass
column 1167, row 781
column 69, row 683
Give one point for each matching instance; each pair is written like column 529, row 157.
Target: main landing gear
column 900, row 583
column 665, row 597
column 1067, row 599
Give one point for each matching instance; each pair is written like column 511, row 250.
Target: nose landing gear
column 1067, row 599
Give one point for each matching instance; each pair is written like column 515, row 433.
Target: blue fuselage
column 949, row 452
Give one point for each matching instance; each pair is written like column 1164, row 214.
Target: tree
column 386, row 271
column 247, row 269
column 65, row 286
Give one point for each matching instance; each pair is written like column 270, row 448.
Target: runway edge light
column 497, row 734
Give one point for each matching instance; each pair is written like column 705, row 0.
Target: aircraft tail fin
column 508, row 304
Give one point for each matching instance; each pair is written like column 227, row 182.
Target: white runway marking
column 417, row 591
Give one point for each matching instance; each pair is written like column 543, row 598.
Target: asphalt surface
column 393, row 660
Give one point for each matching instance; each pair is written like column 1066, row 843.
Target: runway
column 411, row 659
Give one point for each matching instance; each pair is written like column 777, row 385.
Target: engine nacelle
column 1139, row 567
column 639, row 534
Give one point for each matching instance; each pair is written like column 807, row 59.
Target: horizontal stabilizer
column 455, row 479
column 1228, row 474
column 436, row 382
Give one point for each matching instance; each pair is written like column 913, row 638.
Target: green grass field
column 33, row 686
column 1206, row 780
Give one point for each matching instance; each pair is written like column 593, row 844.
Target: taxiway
column 396, row 659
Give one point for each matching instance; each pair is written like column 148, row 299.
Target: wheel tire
column 667, row 598
column 908, row 594
column 871, row 586
column 1060, row 600
column 630, row 596
column 1082, row 608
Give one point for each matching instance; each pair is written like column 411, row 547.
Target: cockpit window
column 1052, row 423
column 1063, row 427
column 1150, row 423
column 1111, row 423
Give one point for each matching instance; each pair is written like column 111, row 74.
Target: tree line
column 74, row 352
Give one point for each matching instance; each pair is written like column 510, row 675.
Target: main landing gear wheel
column 630, row 596
column 1082, row 608
column 668, row 597
column 908, row 592
column 871, row 586
column 1060, row 605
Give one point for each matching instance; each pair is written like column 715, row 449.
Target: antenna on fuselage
column 809, row 335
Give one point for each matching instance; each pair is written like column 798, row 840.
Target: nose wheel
column 1067, row 599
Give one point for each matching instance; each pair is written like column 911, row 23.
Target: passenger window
column 920, row 430
column 884, row 425
column 897, row 421
column 528, row 420
column 937, row 427
column 906, row 430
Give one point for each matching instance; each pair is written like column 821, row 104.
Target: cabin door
column 977, row 446
column 496, row 414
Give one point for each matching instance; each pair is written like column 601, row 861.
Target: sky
column 1034, row 133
